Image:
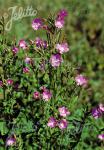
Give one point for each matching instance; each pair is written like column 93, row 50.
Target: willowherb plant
column 44, row 100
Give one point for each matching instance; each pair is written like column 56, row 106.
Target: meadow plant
column 44, row 102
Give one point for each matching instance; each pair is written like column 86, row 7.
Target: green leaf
column 3, row 128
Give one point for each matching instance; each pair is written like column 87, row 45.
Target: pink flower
column 15, row 50
column 22, row 44
column 62, row 48
column 96, row 113
column 63, row 111
column 63, row 124
column 52, row 122
column 56, row 60
column 41, row 43
column 10, row 141
column 62, row 13
column 81, row 80
column 46, row 95
column 25, row 70
column 36, row 95
column 28, row 60
column 60, row 19
column 9, row 81
column 45, row 44
column 101, row 136
column 59, row 23
column 37, row 23
column 101, row 107
column 38, row 42
column 1, row 83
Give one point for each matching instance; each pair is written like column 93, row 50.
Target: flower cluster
column 28, row 60
column 101, row 137
column 36, row 95
column 10, row 141
column 63, row 111
column 60, row 19
column 37, row 23
column 22, row 44
column 62, row 123
column 81, row 80
column 15, row 50
column 62, row 48
column 45, row 95
column 56, row 60
column 26, row 70
column 98, row 111
column 9, row 81
column 41, row 43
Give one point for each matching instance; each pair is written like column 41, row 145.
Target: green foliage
column 26, row 118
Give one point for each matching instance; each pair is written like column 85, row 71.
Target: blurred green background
column 85, row 34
